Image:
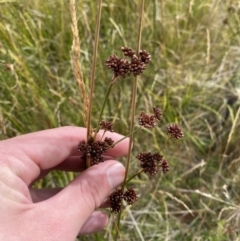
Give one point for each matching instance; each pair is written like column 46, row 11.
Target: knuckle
column 94, row 190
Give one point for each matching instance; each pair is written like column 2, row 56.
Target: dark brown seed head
column 108, row 141
column 123, row 67
column 145, row 56
column 94, row 150
column 106, row 125
column 115, row 201
column 165, row 166
column 130, row 196
column 137, row 66
column 128, row 52
column 157, row 113
column 174, row 131
column 82, row 146
column 147, row 121
column 158, row 158
column 150, row 162
column 120, row 67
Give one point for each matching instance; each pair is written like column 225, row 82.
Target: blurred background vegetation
column 194, row 77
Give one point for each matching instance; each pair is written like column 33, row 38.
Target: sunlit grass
column 193, row 77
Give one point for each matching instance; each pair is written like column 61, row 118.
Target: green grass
column 194, row 77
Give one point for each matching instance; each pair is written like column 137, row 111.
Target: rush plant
column 131, row 64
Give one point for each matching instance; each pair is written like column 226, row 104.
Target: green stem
column 133, row 103
column 165, row 143
column 134, row 175
column 103, row 135
column 115, row 143
column 103, row 106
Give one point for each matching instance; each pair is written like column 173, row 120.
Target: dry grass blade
column 229, row 138
column 76, row 65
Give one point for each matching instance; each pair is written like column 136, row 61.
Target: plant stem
column 93, row 69
column 164, row 144
column 103, row 134
column 125, row 137
column 103, row 106
column 133, row 105
column 134, row 175
column 134, row 94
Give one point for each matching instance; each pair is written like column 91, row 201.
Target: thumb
column 76, row 202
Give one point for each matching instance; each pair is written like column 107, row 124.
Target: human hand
column 54, row 214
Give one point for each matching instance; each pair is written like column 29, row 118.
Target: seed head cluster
column 119, row 66
column 174, row 131
column 94, row 149
column 117, row 197
column 150, row 120
column 106, row 126
column 137, row 66
column 108, row 142
column 128, row 52
column 115, row 200
column 157, row 112
column 122, row 67
column 130, row 196
column 145, row 56
column 152, row 162
column 165, row 166
column 147, row 121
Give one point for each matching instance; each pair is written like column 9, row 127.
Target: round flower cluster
column 150, row 163
column 165, row 166
column 128, row 52
column 157, row 112
column 106, row 126
column 150, row 121
column 174, row 131
column 120, row 67
column 123, row 67
column 117, row 197
column 130, row 196
column 94, row 149
column 147, row 121
column 115, row 200
column 145, row 56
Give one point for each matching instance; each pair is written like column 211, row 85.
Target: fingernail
column 115, row 175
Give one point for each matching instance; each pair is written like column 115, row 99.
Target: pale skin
column 54, row 214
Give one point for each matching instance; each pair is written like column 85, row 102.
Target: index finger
column 48, row 148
